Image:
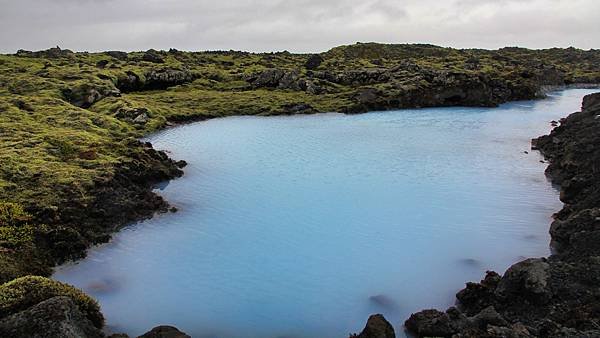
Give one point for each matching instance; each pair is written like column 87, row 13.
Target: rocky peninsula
column 73, row 170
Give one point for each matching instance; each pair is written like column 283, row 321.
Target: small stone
column 88, row 155
column 141, row 119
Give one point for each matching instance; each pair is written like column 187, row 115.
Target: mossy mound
column 24, row 292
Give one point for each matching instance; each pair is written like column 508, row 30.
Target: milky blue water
column 302, row 226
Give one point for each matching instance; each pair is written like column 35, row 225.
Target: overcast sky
column 299, row 26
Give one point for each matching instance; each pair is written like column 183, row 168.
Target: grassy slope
column 54, row 154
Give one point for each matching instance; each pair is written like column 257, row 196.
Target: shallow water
column 302, row 226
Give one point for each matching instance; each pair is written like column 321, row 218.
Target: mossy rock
column 24, row 292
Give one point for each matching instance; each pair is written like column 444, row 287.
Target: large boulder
column 122, row 56
column 267, row 78
column 129, row 82
column 153, row 56
column 153, row 80
column 164, row 331
column 377, row 327
column 430, row 323
column 167, row 77
column 527, row 279
column 477, row 296
column 57, row 317
column 25, row 292
column 277, row 78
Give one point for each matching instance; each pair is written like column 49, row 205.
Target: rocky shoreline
column 558, row 296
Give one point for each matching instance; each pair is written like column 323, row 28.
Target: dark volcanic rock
column 164, row 332
column 124, row 196
column 313, row 62
column 52, row 53
column 153, row 56
column 154, row 80
column 527, row 279
column 477, row 296
column 102, row 63
column 167, row 77
column 268, row 78
column 377, row 327
column 122, row 56
column 282, row 79
column 129, row 82
column 52, row 318
column 432, row 323
column 554, row 297
column 298, row 108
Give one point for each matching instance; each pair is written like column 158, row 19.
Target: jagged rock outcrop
column 153, row 56
column 166, row 77
column 122, row 56
column 153, row 80
column 268, row 78
column 377, row 327
column 558, row 296
column 57, row 317
column 51, row 53
column 284, row 79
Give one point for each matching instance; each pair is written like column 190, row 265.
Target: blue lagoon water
column 302, row 226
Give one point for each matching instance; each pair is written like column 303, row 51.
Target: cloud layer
column 299, row 26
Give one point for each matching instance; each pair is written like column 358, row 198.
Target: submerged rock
column 384, row 302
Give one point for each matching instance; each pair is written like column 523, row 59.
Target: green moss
column 24, row 292
column 13, row 215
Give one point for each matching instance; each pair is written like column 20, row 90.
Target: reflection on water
column 302, row 226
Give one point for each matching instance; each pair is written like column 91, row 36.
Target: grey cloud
column 302, row 26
